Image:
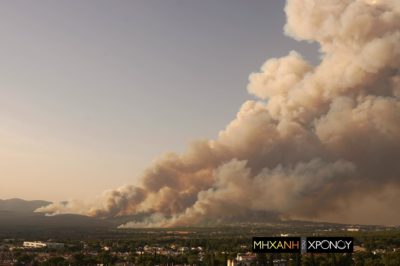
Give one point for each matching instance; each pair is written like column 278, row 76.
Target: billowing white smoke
column 321, row 143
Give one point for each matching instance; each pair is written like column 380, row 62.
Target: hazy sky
column 91, row 92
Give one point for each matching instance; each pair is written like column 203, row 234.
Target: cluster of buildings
column 248, row 259
column 243, row 259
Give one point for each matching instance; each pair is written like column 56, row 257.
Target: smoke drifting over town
column 321, row 142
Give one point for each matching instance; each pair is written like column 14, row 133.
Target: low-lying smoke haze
column 320, row 142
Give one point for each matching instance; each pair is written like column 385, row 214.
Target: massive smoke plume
column 321, row 142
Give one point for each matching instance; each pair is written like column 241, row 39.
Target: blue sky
column 91, row 92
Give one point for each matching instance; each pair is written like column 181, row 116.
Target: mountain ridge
column 21, row 205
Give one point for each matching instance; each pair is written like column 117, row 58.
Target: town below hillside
column 225, row 245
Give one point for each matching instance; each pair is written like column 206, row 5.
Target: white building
column 231, row 262
column 39, row 244
column 35, row 244
column 243, row 259
column 353, row 229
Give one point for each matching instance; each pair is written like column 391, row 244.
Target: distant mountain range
column 20, row 205
column 17, row 218
column 17, row 215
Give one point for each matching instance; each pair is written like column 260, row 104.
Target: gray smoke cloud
column 321, row 143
